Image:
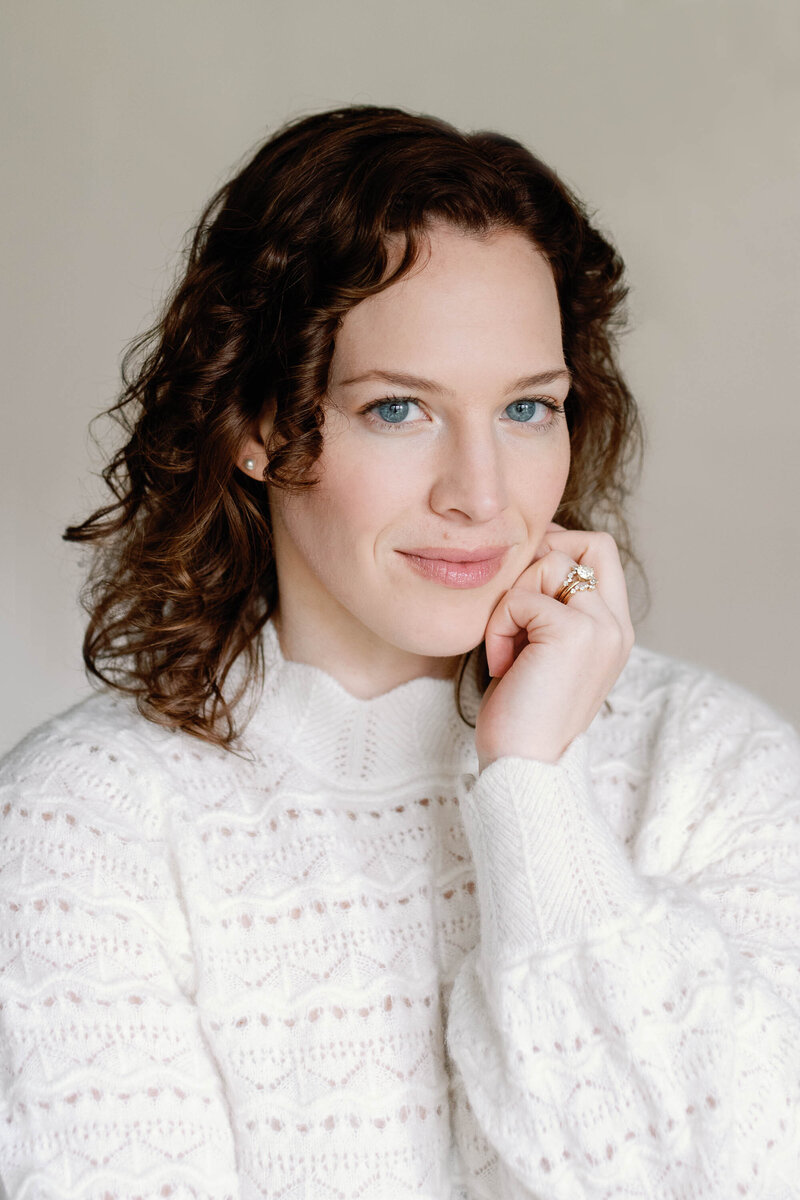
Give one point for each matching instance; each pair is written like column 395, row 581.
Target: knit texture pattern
column 341, row 965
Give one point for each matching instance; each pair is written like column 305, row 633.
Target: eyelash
column 556, row 411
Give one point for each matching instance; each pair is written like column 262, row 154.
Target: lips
column 453, row 554
column 456, row 568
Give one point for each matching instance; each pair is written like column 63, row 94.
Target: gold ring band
column 580, row 579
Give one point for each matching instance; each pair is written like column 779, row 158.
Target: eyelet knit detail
column 343, row 964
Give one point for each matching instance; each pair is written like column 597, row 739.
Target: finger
column 507, row 631
column 549, row 574
column 598, row 551
column 516, row 616
column 524, row 616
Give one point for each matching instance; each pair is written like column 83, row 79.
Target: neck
column 364, row 664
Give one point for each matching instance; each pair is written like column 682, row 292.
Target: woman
column 312, row 900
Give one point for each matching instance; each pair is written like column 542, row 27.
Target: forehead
column 467, row 298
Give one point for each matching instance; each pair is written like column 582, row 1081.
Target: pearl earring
column 249, row 464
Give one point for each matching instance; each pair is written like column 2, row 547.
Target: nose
column 470, row 479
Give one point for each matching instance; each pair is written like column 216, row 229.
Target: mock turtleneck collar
column 411, row 731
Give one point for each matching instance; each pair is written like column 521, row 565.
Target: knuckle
column 605, row 542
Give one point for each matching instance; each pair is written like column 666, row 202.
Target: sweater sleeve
column 107, row 1085
column 622, row 1033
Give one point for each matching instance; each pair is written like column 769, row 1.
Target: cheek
column 561, row 475
column 354, row 502
column 562, row 461
column 367, row 487
column 341, row 515
column 541, row 484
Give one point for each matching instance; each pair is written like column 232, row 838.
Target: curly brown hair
column 184, row 577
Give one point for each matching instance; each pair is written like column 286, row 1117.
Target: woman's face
column 441, row 435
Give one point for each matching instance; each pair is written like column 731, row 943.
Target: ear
column 252, row 457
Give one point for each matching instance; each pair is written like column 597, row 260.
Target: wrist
column 548, row 754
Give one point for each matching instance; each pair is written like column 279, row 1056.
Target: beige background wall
column 676, row 121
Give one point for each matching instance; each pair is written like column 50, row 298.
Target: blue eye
column 393, row 410
column 524, row 410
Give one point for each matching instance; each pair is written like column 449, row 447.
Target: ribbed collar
column 411, row 732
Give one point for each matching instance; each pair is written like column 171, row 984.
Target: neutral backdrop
column 676, row 121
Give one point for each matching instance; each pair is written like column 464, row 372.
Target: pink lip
column 453, row 554
column 456, row 568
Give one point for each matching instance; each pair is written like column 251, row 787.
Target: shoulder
column 100, row 755
column 691, row 702
column 103, row 759
column 696, row 748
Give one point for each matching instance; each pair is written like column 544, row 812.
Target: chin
column 447, row 636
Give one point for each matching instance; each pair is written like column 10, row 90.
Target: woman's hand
column 553, row 663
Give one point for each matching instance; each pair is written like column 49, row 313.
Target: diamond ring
column 580, row 579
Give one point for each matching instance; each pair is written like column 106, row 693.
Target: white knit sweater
column 340, row 967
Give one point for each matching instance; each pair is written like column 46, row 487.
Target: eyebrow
column 541, row 379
